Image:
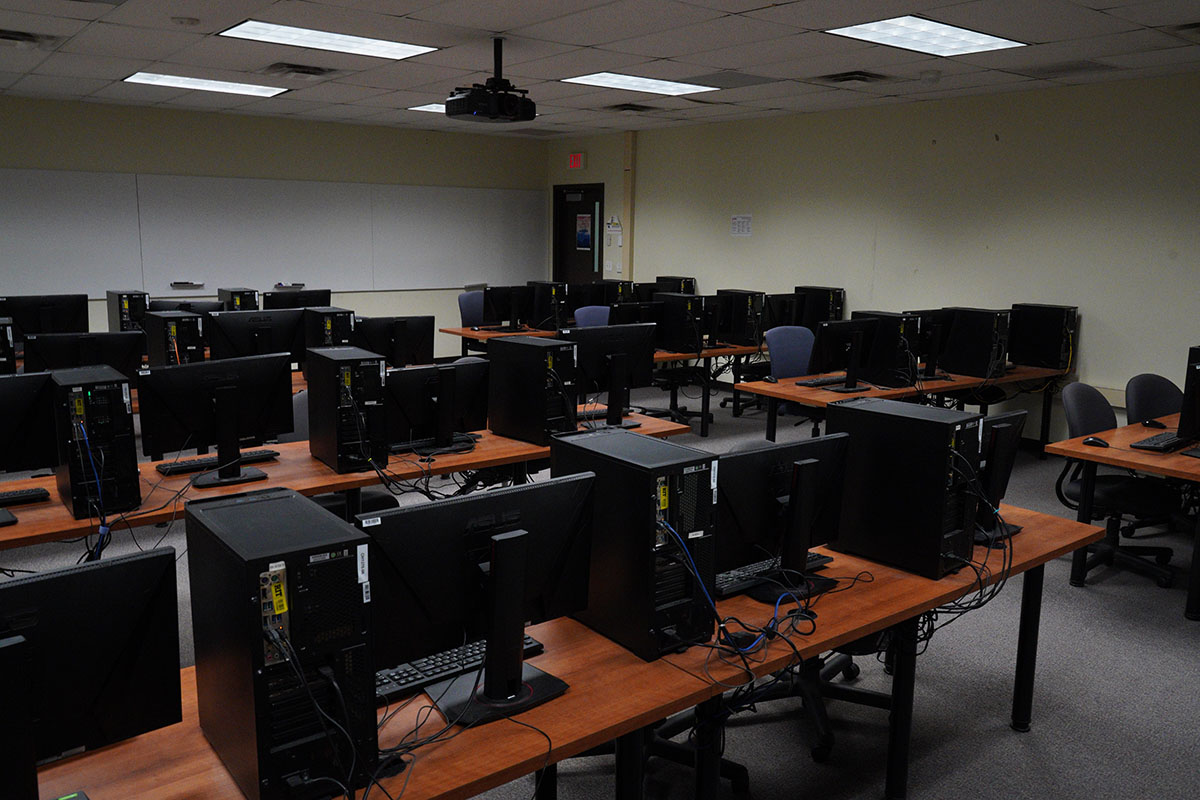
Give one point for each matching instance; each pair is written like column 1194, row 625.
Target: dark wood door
column 578, row 234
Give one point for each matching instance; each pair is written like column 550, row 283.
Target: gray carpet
column 1116, row 712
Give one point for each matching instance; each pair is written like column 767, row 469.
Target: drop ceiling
column 770, row 58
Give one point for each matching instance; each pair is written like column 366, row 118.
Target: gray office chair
column 470, row 308
column 591, row 316
column 790, row 349
column 1146, row 500
column 1149, row 396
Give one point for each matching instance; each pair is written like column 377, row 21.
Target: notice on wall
column 583, row 231
column 740, row 225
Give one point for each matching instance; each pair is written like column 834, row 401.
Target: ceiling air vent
column 855, row 76
column 303, row 72
column 23, row 40
column 632, row 107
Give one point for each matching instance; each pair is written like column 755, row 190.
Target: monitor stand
column 229, row 456
column 851, row 384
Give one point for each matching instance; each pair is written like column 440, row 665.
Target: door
column 578, row 238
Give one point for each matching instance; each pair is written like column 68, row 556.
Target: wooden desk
column 895, row 599
column 295, row 468
column 612, row 694
column 476, row 335
column 734, row 351
column 1120, row 454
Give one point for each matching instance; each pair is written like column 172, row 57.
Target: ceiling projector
column 497, row 100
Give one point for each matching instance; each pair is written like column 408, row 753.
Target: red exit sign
column 576, row 160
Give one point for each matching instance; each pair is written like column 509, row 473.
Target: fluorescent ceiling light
column 925, row 36
column 203, row 85
column 437, row 108
column 612, row 80
column 324, row 40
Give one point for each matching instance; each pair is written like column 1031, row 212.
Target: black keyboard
column 21, row 496
column 405, row 680
column 502, row 328
column 736, row 581
column 207, row 463
column 1165, row 442
column 826, row 380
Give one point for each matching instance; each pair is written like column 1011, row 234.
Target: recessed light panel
column 613, row 80
column 203, row 85
column 324, row 40
column 925, row 36
column 436, row 108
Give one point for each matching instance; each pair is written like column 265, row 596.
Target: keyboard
column 736, row 581
column 21, row 496
column 1165, row 442
column 405, row 680
column 825, row 380
column 206, row 463
column 502, row 328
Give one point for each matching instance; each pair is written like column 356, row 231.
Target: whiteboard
column 431, row 237
column 68, row 232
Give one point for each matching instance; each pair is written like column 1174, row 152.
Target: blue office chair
column 470, row 308
column 790, row 349
column 591, row 316
column 1149, row 396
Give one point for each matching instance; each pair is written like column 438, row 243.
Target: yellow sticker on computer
column 664, row 496
column 278, row 598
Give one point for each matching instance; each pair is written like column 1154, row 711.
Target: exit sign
column 576, row 160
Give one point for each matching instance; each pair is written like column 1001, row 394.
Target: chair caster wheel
column 820, row 753
column 851, row 672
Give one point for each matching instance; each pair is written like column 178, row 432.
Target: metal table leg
column 630, row 751
column 546, row 783
column 705, row 385
column 1027, row 641
column 772, row 417
column 708, row 749
column 1044, row 432
column 1192, row 609
column 1086, row 496
column 900, row 722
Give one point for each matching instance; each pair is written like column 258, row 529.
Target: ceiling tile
column 619, row 20
column 1188, row 54
column 334, row 92
column 84, row 66
column 361, row 23
column 1031, row 21
column 763, row 91
column 338, row 111
column 583, row 61
column 821, row 15
column 60, row 8
column 281, row 104
column 104, row 39
column 212, row 15
column 787, row 48
column 502, row 15
column 728, row 6
column 55, row 86
column 140, row 93
column 227, row 53
column 997, row 88
column 393, row 100
column 40, row 23
column 207, row 101
column 876, row 58
column 9, row 78
column 708, row 35
column 1041, row 55
column 1162, row 12
column 13, row 59
column 478, row 53
column 553, row 90
column 403, row 75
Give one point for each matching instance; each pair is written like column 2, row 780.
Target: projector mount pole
column 497, row 52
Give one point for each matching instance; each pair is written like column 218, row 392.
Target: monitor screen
column 122, row 351
column 27, row 437
column 429, row 563
column 102, row 649
column 834, row 341
column 45, row 313
column 234, row 334
column 400, row 340
column 297, row 298
column 595, row 346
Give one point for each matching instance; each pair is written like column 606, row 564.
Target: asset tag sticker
column 695, row 534
column 366, row 591
column 278, row 598
column 362, row 563
column 371, row 523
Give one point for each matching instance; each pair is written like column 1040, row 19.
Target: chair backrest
column 1148, row 396
column 591, row 316
column 790, row 348
column 300, row 419
column 1086, row 409
column 470, row 308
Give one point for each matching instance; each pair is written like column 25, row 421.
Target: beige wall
column 604, row 165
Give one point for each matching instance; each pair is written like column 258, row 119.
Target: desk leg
column 900, row 720
column 1192, row 609
column 1027, row 641
column 708, row 749
column 1044, row 432
column 772, row 417
column 705, row 386
column 1086, row 494
column 353, row 503
column 737, row 378
column 466, row 351
column 546, row 783
column 630, row 751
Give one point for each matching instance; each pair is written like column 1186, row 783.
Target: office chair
column 591, row 316
column 790, row 349
column 470, row 308
column 1149, row 396
column 1148, row 500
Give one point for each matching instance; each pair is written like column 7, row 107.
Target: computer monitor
column 843, row 344
column 122, row 351
column 27, row 438
column 633, row 313
column 782, row 309
column 934, row 333
column 45, row 313
column 297, row 298
column 677, row 284
column 644, row 292
column 1189, row 412
column 777, row 501
column 999, row 440
column 891, row 361
column 100, row 658
column 506, row 305
column 8, row 352
column 235, row 334
column 612, row 358
column 585, row 294
column 193, row 306
column 433, row 409
column 438, row 579
column 547, row 305
column 228, row 403
column 400, row 340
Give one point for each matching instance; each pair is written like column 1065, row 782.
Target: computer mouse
column 1095, row 441
column 1153, row 423
column 474, row 327
column 771, row 379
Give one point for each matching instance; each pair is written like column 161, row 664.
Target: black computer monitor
column 27, row 438
column 235, row 334
column 612, row 358
column 782, row 309
column 770, row 508
column 585, row 294
column 400, row 340
column 433, row 409
column 547, row 305
column 100, row 658
column 999, row 440
column 122, row 351
column 8, row 352
column 843, row 344
column 891, row 360
column 1189, row 412
column 934, row 333
column 438, row 580
column 45, row 313
column 228, row 403
column 297, row 298
column 506, row 305
column 644, row 292
column 633, row 313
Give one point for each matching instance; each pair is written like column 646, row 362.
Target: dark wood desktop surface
column 483, row 335
column 1120, row 454
column 295, row 468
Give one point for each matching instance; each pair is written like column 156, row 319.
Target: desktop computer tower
column 977, row 344
column 346, row 428
column 97, row 470
column 326, row 326
column 8, row 351
column 781, row 309
column 616, row 291
column 239, row 299
column 1194, row 355
column 819, row 304
column 1042, row 335
column 908, row 501
column 675, row 284
column 741, row 316
column 531, row 388
column 173, row 337
column 689, row 322
column 126, row 309
column 642, row 593
column 281, row 589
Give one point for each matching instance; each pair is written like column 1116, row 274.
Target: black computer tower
column 97, row 470
column 239, row 299
column 326, row 326
column 907, row 500
column 1194, row 355
column 642, row 592
column 615, row 291
column 782, row 309
column 676, row 284
column 689, row 322
column 531, row 388
column 346, row 427
column 548, row 306
column 281, row 589
column 892, row 361
column 978, row 343
column 126, row 309
column 740, row 316
column 8, row 350
column 173, row 337
column 820, row 304
column 1041, row 335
